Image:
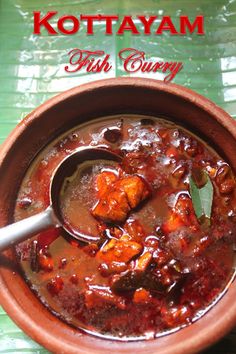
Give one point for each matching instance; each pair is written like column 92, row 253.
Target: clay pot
column 106, row 97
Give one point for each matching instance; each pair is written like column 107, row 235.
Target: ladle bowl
column 52, row 216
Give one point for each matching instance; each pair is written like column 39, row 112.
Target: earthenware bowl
column 101, row 98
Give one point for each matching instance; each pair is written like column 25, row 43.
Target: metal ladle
column 52, row 216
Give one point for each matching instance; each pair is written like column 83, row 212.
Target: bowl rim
column 190, row 344
column 183, row 92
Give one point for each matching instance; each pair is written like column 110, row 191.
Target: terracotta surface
column 53, row 117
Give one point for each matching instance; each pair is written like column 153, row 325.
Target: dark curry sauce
column 157, row 266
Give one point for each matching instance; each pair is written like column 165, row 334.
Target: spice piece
column 202, row 197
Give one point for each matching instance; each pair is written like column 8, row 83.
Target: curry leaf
column 202, row 197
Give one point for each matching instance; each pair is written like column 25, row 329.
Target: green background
column 32, row 70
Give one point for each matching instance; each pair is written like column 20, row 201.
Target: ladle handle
column 24, row 229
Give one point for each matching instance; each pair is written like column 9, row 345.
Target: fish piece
column 119, row 251
column 98, row 297
column 135, row 188
column 104, row 181
column 113, row 207
column 181, row 215
column 118, row 197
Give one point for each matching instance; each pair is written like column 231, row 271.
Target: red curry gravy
column 157, row 267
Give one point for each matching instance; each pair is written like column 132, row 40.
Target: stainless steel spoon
column 52, row 217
